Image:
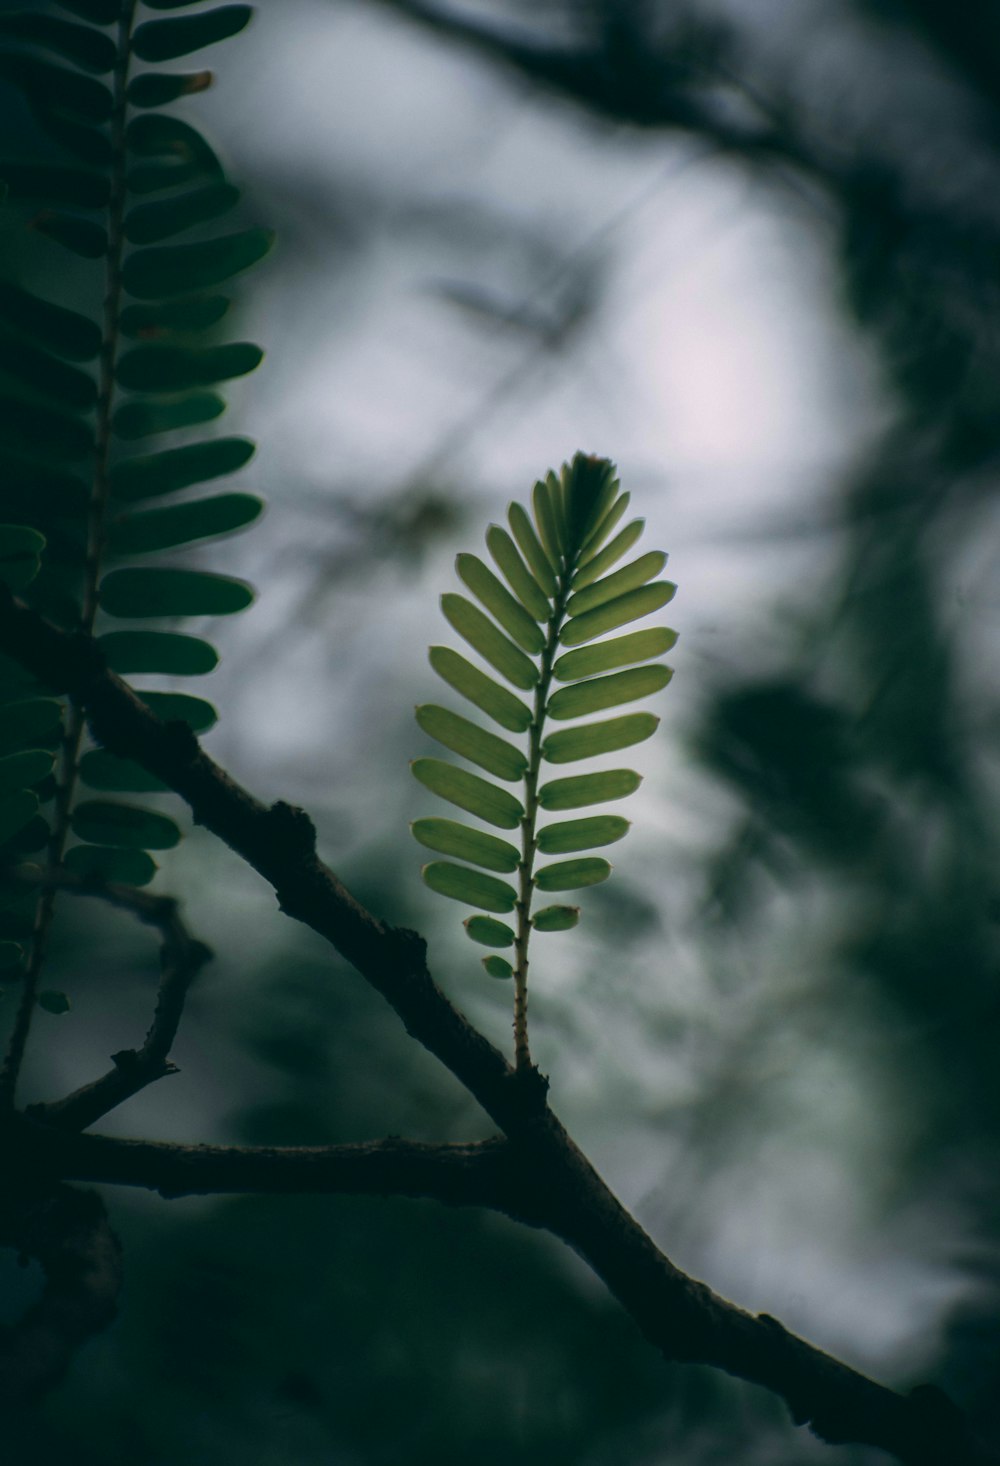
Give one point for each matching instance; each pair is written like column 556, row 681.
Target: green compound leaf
column 470, row 886
column 102, row 770
column 448, row 837
column 571, row 744
column 555, row 918
column 128, row 652
column 143, row 419
column 16, row 810
column 610, row 555
column 176, row 368
column 163, row 40
column 179, row 269
column 502, row 706
column 172, row 593
column 607, row 692
column 586, row 789
column 637, row 646
column 151, row 474
column 180, row 707
column 63, row 331
column 490, row 643
column 604, row 528
column 497, row 599
column 630, row 577
column 53, row 1002
column 489, row 932
column 153, row 89
column 571, row 875
column 600, row 829
column 469, row 741
column 547, row 520
column 21, row 770
column 160, row 529
column 87, row 48
column 619, row 612
column 149, row 223
column 497, row 967
column 173, row 317
column 524, row 533
column 105, row 822
column 469, row 792
column 112, row 863
column 20, row 554
column 516, row 573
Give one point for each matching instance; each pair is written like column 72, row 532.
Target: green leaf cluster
column 540, row 615
column 106, row 466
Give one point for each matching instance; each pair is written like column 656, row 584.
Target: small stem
column 96, row 516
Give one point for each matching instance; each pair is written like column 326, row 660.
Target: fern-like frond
column 557, row 588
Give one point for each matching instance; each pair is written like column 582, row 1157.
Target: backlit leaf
column 570, row 744
column 106, row 822
column 605, row 528
column 500, row 704
column 546, row 523
column 498, row 600
column 176, row 368
column 159, row 529
column 584, row 789
column 469, row 792
column 604, row 559
column 470, row 886
column 472, row 742
column 163, row 40
column 619, row 612
column 448, row 837
column 176, row 468
column 179, row 269
column 599, row 829
column 637, row 646
column 524, row 533
column 111, row 863
column 497, row 967
column 155, row 90
column 138, row 419
column 571, row 875
column 555, row 918
column 128, row 652
column 518, row 576
column 160, row 592
column 489, row 932
column 607, row 692
column 168, row 138
column 612, row 586
column 490, row 643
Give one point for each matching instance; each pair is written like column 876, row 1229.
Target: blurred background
column 750, row 250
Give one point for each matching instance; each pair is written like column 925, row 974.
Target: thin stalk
column 529, row 841
column 96, row 532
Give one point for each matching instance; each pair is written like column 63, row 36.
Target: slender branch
column 182, row 958
column 556, row 1186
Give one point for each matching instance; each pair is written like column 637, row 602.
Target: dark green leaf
column 547, row 522
column 555, row 918
column 159, row 529
column 179, row 269
column 591, row 484
column 79, row 236
column 172, row 593
column 469, row 792
column 605, row 528
column 77, row 187
column 180, row 707
column 614, row 586
column 33, row 836
column 177, row 468
column 448, row 837
column 40, row 493
column 16, row 809
column 498, row 600
column 524, row 533
column 585, row 789
column 128, row 652
column 610, row 555
column 637, row 646
column 28, row 722
column 27, row 426
column 148, row 223
column 139, row 419
column 591, row 739
column 599, row 829
column 55, row 86
column 490, row 643
column 607, row 692
column 518, row 576
column 173, row 317
column 21, row 770
column 106, row 822
column 110, row 863
column 20, row 554
column 470, row 886
column 570, row 875
column 88, row 48
column 497, row 967
column 619, row 612
column 90, row 144
column 12, row 955
column 153, row 90
column 506, row 709
column 489, row 932
column 102, row 770
column 167, row 138
column 67, row 385
column 53, row 1002
column 176, row 368
column 101, row 12
column 162, row 40
column 65, row 332
column 474, row 743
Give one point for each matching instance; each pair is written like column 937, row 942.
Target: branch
column 182, row 957
column 556, row 1186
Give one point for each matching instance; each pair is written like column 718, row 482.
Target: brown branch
column 182, row 958
column 553, row 1184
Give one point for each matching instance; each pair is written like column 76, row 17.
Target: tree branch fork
column 532, row 1171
